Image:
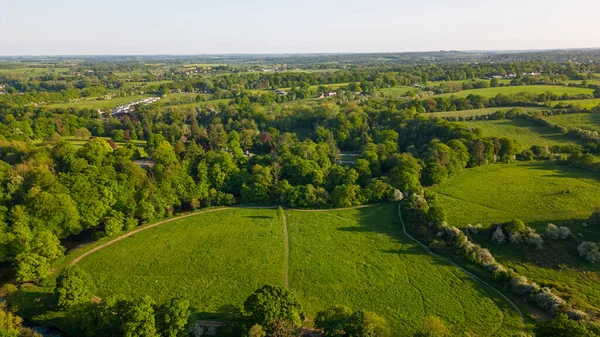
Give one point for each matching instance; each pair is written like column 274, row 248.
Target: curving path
column 468, row 273
column 119, row 238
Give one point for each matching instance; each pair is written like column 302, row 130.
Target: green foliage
column 562, row 326
column 433, row 326
column 73, row 286
column 333, row 321
column 172, row 318
column 31, row 267
column 271, row 303
column 138, row 318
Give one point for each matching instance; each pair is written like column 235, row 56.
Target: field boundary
column 468, row 273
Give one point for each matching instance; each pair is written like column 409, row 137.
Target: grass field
column 397, row 91
column 213, row 259
column 361, row 259
column 536, row 192
column 586, row 121
column 477, row 112
column 139, row 144
column 584, row 103
column 99, row 104
column 536, row 89
column 32, row 71
column 358, row 258
column 527, row 133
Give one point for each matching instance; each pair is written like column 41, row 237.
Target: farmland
column 584, row 103
column 528, row 191
column 477, row 112
column 533, row 89
column 582, row 120
column 525, row 132
column 397, row 91
column 214, row 259
column 349, row 257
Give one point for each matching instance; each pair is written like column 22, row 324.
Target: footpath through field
column 468, row 273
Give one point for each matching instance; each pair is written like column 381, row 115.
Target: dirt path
column 468, row 273
column 286, row 261
column 119, row 238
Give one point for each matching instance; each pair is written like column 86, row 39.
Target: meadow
column 397, row 91
column 585, row 121
column 213, row 259
column 478, row 112
column 33, row 72
column 358, row 258
column 583, row 103
column 510, row 90
column 101, row 104
column 77, row 143
column 361, row 259
column 533, row 192
column 527, row 133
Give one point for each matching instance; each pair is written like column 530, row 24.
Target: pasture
column 531, row 89
column 214, row 259
column 583, row 103
column 533, row 192
column 477, row 112
column 527, row 133
column 397, row 91
column 585, row 121
column 358, row 258
column 361, row 259
column 31, row 72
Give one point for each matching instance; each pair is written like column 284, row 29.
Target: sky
column 149, row 27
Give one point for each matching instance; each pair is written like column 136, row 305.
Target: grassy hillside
column 360, row 258
column 527, row 133
column 536, row 89
column 397, row 91
column 528, row 191
column 213, row 259
column 477, row 112
column 583, row 120
column 583, row 103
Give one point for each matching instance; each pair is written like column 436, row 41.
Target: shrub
column 545, row 299
column 589, row 251
column 498, row 235
column 515, row 226
column 551, row 232
column 576, row 314
column 564, row 233
column 515, row 238
column 533, row 238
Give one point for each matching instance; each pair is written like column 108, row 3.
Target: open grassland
column 143, row 84
column 77, row 143
column 533, row 191
column 583, row 103
column 33, row 72
column 397, row 91
column 527, row 133
column 361, row 259
column 478, row 112
column 214, row 259
column 535, row 89
column 106, row 104
column 585, row 121
column 332, row 86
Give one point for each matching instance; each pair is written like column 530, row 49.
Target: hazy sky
column 68, row 27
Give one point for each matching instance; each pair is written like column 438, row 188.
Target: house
column 279, row 92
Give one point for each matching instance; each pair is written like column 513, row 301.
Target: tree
column 597, row 93
column 83, row 134
column 138, row 318
column 31, row 267
column 589, row 251
column 114, row 224
column 515, row 226
column 367, row 324
column 271, row 303
column 562, row 326
column 433, row 326
column 73, row 286
column 333, row 321
column 172, row 318
column 257, row 331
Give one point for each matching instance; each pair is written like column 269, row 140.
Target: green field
column 527, row 133
column 477, row 112
column 358, row 258
column 585, row 121
column 33, row 72
column 397, row 91
column 77, row 143
column 528, row 191
column 99, row 104
column 535, row 89
column 583, row 103
column 213, row 259
column 361, row 259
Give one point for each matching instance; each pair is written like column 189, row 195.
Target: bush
column 545, row 299
column 498, row 235
column 515, row 226
column 564, row 233
column 589, row 251
column 551, row 232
